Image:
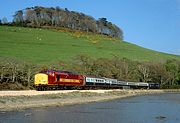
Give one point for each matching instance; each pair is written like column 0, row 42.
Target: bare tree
column 144, row 73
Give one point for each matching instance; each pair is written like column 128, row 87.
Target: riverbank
column 17, row 100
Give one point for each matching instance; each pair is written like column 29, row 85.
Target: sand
column 16, row 100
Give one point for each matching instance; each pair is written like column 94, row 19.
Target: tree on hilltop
column 4, row 20
column 57, row 17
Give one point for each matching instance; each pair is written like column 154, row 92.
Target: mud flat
column 16, row 100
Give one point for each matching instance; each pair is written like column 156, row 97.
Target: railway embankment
column 17, row 100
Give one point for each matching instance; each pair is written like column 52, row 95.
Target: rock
column 160, row 117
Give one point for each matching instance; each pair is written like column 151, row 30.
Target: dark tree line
column 57, row 17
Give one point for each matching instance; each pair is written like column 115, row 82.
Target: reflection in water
column 162, row 108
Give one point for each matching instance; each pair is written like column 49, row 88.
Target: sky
column 153, row 24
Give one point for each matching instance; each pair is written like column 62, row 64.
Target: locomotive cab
column 41, row 79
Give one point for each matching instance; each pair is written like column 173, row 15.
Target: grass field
column 44, row 46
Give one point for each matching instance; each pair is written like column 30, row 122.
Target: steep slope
column 43, row 46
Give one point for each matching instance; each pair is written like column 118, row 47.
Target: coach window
column 57, row 77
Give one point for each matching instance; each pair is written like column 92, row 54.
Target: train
column 59, row 79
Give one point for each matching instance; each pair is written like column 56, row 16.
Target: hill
column 43, row 46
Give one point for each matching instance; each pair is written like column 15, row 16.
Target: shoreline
column 18, row 100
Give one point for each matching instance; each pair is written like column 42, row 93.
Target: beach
column 17, row 100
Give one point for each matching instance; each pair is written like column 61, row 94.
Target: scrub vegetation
column 15, row 74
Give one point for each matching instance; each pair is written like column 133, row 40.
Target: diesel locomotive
column 56, row 79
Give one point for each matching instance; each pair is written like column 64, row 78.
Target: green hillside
column 43, row 46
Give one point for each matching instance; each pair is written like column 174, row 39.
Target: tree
column 158, row 73
column 4, row 20
column 144, row 72
column 172, row 67
column 83, row 64
column 18, row 17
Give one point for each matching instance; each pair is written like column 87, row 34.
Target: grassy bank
column 44, row 46
column 77, row 97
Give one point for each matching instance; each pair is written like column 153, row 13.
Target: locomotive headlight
column 43, row 81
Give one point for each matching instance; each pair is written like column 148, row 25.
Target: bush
column 14, row 71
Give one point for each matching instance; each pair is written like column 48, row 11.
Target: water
column 161, row 108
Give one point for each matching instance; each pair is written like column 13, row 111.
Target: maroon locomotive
column 49, row 79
